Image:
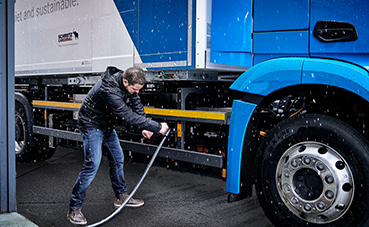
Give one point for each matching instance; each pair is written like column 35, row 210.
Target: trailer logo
column 68, row 36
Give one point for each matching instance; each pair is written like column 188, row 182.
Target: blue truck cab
column 300, row 133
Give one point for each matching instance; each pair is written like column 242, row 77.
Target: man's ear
column 125, row 82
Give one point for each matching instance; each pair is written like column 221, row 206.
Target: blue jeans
column 96, row 142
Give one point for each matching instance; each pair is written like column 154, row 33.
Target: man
column 113, row 97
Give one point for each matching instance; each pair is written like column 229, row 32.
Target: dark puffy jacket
column 108, row 101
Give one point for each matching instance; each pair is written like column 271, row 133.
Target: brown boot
column 76, row 217
column 131, row 203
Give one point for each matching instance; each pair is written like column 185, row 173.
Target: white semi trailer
column 62, row 47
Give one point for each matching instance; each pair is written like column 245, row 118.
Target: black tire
column 22, row 147
column 24, row 151
column 313, row 170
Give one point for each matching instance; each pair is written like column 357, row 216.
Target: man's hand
column 147, row 134
column 164, row 128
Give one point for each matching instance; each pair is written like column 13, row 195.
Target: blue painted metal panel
column 231, row 28
column 336, row 73
column 162, row 31
column 292, row 42
column 270, row 76
column 240, row 116
column 231, row 58
column 231, row 25
column 355, row 12
column 258, row 58
column 127, row 10
column 281, row 15
column 158, row 28
column 280, row 44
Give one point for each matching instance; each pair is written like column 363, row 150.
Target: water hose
column 137, row 185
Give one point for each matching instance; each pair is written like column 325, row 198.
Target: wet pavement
column 172, row 197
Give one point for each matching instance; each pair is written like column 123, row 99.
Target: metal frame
column 165, row 152
column 182, row 95
column 181, row 115
column 202, row 8
column 220, row 116
column 7, row 122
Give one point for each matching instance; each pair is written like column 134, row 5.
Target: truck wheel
column 23, row 149
column 314, row 170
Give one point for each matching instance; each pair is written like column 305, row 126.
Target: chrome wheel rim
column 20, row 134
column 315, row 182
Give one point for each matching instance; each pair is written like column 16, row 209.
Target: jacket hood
column 112, row 76
column 111, row 70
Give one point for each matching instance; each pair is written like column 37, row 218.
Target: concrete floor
column 15, row 220
column 172, row 197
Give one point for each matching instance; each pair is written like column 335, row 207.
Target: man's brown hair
column 135, row 75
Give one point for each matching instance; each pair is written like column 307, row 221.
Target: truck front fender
column 338, row 74
column 261, row 80
column 240, row 117
column 269, row 76
column 276, row 74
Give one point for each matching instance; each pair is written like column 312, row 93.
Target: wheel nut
column 286, row 174
column 287, row 188
column 294, row 163
column 320, row 166
column 329, row 179
column 321, row 205
column 295, row 200
column 307, row 160
column 307, row 207
column 329, row 194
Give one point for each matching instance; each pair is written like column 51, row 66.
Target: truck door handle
column 334, row 31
